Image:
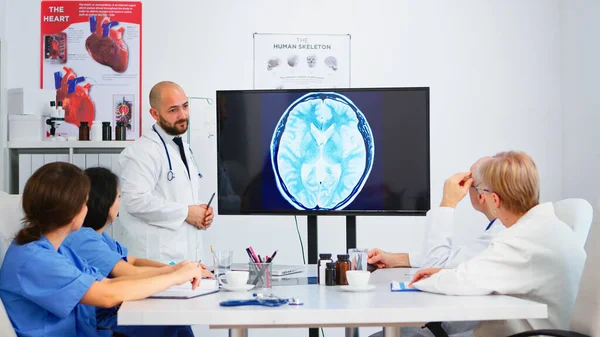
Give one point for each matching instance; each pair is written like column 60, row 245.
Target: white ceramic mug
column 234, row 278
column 358, row 278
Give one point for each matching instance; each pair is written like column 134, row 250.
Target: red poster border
column 46, row 2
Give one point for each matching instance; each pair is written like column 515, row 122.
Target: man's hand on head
column 456, row 188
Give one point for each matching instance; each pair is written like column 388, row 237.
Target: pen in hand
column 210, row 201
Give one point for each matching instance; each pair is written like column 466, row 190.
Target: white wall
column 494, row 68
column 3, row 18
column 580, row 72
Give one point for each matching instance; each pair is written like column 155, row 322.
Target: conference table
column 330, row 306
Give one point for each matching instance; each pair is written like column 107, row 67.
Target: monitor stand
column 313, row 247
column 313, row 236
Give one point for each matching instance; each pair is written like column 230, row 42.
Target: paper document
column 207, row 286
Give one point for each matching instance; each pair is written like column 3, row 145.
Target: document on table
column 206, row 287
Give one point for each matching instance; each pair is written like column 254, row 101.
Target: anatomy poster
column 293, row 61
column 91, row 56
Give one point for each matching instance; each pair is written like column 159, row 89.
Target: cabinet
column 24, row 158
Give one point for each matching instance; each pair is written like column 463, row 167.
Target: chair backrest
column 577, row 213
column 586, row 316
column 10, row 220
column 6, row 328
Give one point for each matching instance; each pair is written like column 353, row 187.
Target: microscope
column 57, row 117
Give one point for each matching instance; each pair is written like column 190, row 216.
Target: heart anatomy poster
column 91, row 55
column 294, row 61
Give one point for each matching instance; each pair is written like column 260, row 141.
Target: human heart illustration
column 106, row 45
column 75, row 98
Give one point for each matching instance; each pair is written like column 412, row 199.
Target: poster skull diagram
column 91, row 56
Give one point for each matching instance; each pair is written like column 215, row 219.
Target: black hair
column 103, row 193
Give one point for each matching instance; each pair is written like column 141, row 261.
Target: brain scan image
column 322, row 152
column 311, row 60
column 331, row 62
column 272, row 63
column 293, row 60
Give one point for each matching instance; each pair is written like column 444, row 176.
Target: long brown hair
column 53, row 196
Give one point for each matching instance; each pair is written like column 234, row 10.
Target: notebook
column 397, row 286
column 206, row 287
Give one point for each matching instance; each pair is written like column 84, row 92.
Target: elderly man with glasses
column 439, row 251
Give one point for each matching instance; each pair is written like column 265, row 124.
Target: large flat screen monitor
column 323, row 151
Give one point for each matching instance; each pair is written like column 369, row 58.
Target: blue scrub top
column 41, row 289
column 99, row 250
column 102, row 252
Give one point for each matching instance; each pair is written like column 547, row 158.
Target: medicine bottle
column 330, row 274
column 322, row 266
column 84, row 131
column 120, row 132
column 342, row 266
column 96, row 131
column 106, row 131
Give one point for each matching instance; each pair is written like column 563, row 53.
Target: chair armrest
column 549, row 332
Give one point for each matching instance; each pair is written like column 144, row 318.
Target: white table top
column 330, row 306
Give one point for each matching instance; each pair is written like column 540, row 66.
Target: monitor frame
column 344, row 212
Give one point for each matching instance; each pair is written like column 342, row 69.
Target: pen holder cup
column 261, row 275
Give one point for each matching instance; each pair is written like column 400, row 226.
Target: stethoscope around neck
column 170, row 174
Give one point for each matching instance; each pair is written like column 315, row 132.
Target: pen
column 210, row 201
column 272, row 256
column 250, row 255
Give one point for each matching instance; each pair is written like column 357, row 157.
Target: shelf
column 68, row 144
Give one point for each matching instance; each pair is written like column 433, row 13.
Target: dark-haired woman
column 46, row 288
column 108, row 255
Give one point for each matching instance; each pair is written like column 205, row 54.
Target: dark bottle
column 84, row 131
column 106, row 131
column 322, row 266
column 120, row 131
column 342, row 266
column 330, row 274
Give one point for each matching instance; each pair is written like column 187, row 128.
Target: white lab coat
column 153, row 209
column 538, row 258
column 439, row 251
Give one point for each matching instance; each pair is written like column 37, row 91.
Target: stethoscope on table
column 269, row 300
column 170, row 174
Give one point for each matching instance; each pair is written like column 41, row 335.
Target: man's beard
column 173, row 130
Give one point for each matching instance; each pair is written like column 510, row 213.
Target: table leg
column 351, row 332
column 389, row 331
column 238, row 332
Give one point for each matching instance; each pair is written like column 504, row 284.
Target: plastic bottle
column 106, row 131
column 322, row 266
column 330, row 274
column 96, row 131
column 84, row 131
column 342, row 266
column 120, row 131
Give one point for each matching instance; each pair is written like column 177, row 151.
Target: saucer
column 358, row 289
column 245, row 287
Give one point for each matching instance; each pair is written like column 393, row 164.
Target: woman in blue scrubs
column 46, row 288
column 109, row 256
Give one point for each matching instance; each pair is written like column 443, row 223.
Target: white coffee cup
column 358, row 278
column 235, row 278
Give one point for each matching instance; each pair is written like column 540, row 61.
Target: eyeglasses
column 480, row 190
